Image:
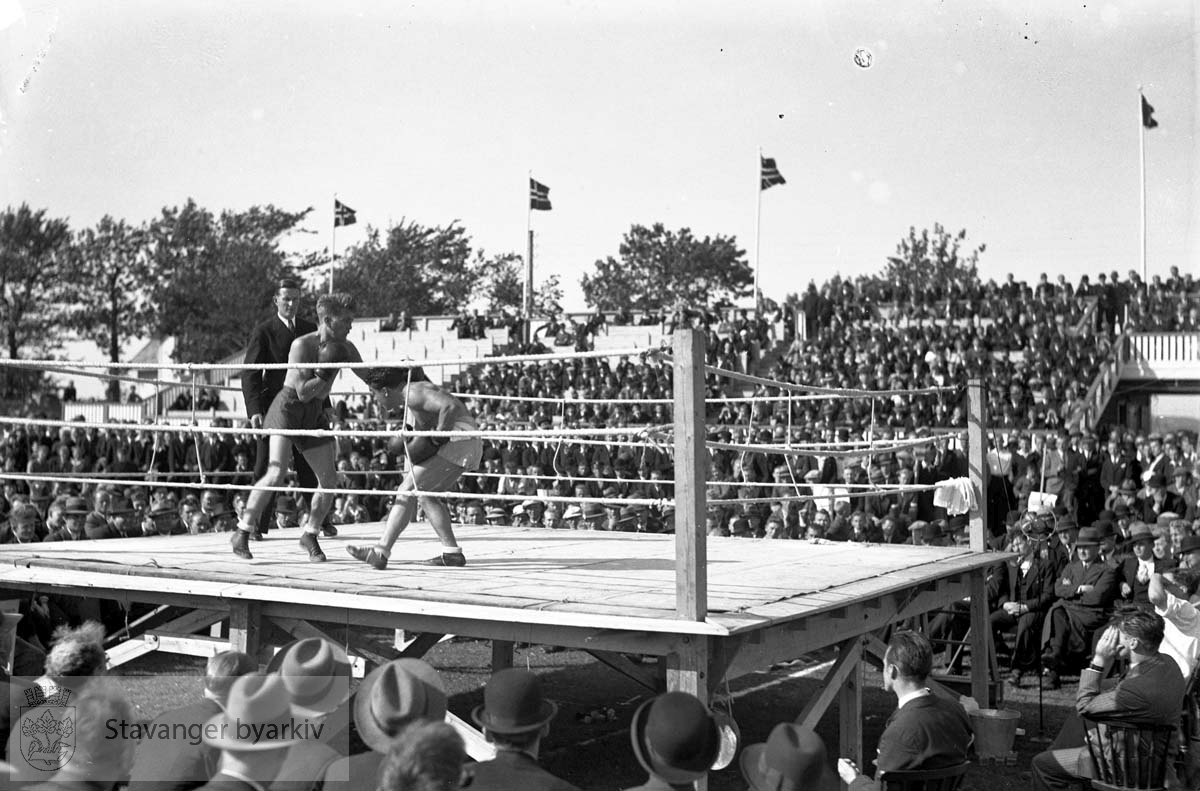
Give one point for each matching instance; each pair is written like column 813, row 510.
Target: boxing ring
column 711, row 608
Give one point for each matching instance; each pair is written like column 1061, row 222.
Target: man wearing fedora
column 1136, row 570
column 182, row 764
column 316, row 673
column 792, row 759
column 1026, row 591
column 1085, row 589
column 926, row 731
column 1187, row 554
column 515, row 717
column 255, row 734
column 74, row 520
column 390, row 698
column 677, row 740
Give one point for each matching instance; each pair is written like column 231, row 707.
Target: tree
column 658, row 268
column 214, row 276
column 107, row 285
column 547, row 298
column 425, row 271
column 931, row 262
column 32, row 252
column 501, row 281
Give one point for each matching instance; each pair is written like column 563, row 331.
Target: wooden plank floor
column 517, row 572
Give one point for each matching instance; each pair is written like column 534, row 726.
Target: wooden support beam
column 850, row 743
column 502, row 654
column 849, row 657
column 421, row 644
column 186, row 644
column 981, row 638
column 620, row 663
column 977, row 467
column 130, row 650
column 691, row 551
column 687, row 668
column 245, row 626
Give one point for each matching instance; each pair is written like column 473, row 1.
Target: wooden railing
column 1163, row 355
column 1087, row 413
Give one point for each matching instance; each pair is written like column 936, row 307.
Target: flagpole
column 527, row 285
column 1142, row 158
column 757, row 235
column 333, row 245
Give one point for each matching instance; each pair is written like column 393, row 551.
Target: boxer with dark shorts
column 299, row 406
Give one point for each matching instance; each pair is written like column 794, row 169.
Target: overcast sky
column 1010, row 119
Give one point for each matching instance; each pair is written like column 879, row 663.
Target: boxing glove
column 332, row 352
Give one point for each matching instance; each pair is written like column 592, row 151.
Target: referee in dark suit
column 269, row 343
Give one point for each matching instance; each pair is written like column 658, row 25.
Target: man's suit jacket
column 269, row 342
column 1035, row 589
column 1150, row 693
column 177, row 764
column 1102, row 578
column 1127, row 572
column 511, row 769
column 929, row 732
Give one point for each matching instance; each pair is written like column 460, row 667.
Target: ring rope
column 882, row 488
column 648, row 501
column 192, row 367
column 834, row 391
column 802, row 451
column 483, row 434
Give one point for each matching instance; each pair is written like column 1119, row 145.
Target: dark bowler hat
column 1128, row 486
column 675, row 738
column 1088, row 537
column 1067, row 522
column 1157, row 480
column 1104, row 529
column 285, row 504
column 393, row 695
column 1189, row 544
column 792, row 759
column 513, row 703
column 258, row 705
column 77, row 505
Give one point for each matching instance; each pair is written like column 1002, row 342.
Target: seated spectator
column 1025, row 592
column 1149, row 693
column 675, row 739
column 180, row 764
column 255, row 702
column 1173, row 596
column 515, row 717
column 927, row 731
column 391, row 698
column 1086, row 589
column 430, row 757
column 1135, row 571
column 793, row 757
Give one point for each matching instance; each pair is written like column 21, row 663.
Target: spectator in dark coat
column 178, row 764
column 927, row 731
column 515, row 717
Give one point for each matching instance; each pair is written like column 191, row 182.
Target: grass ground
column 597, row 755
